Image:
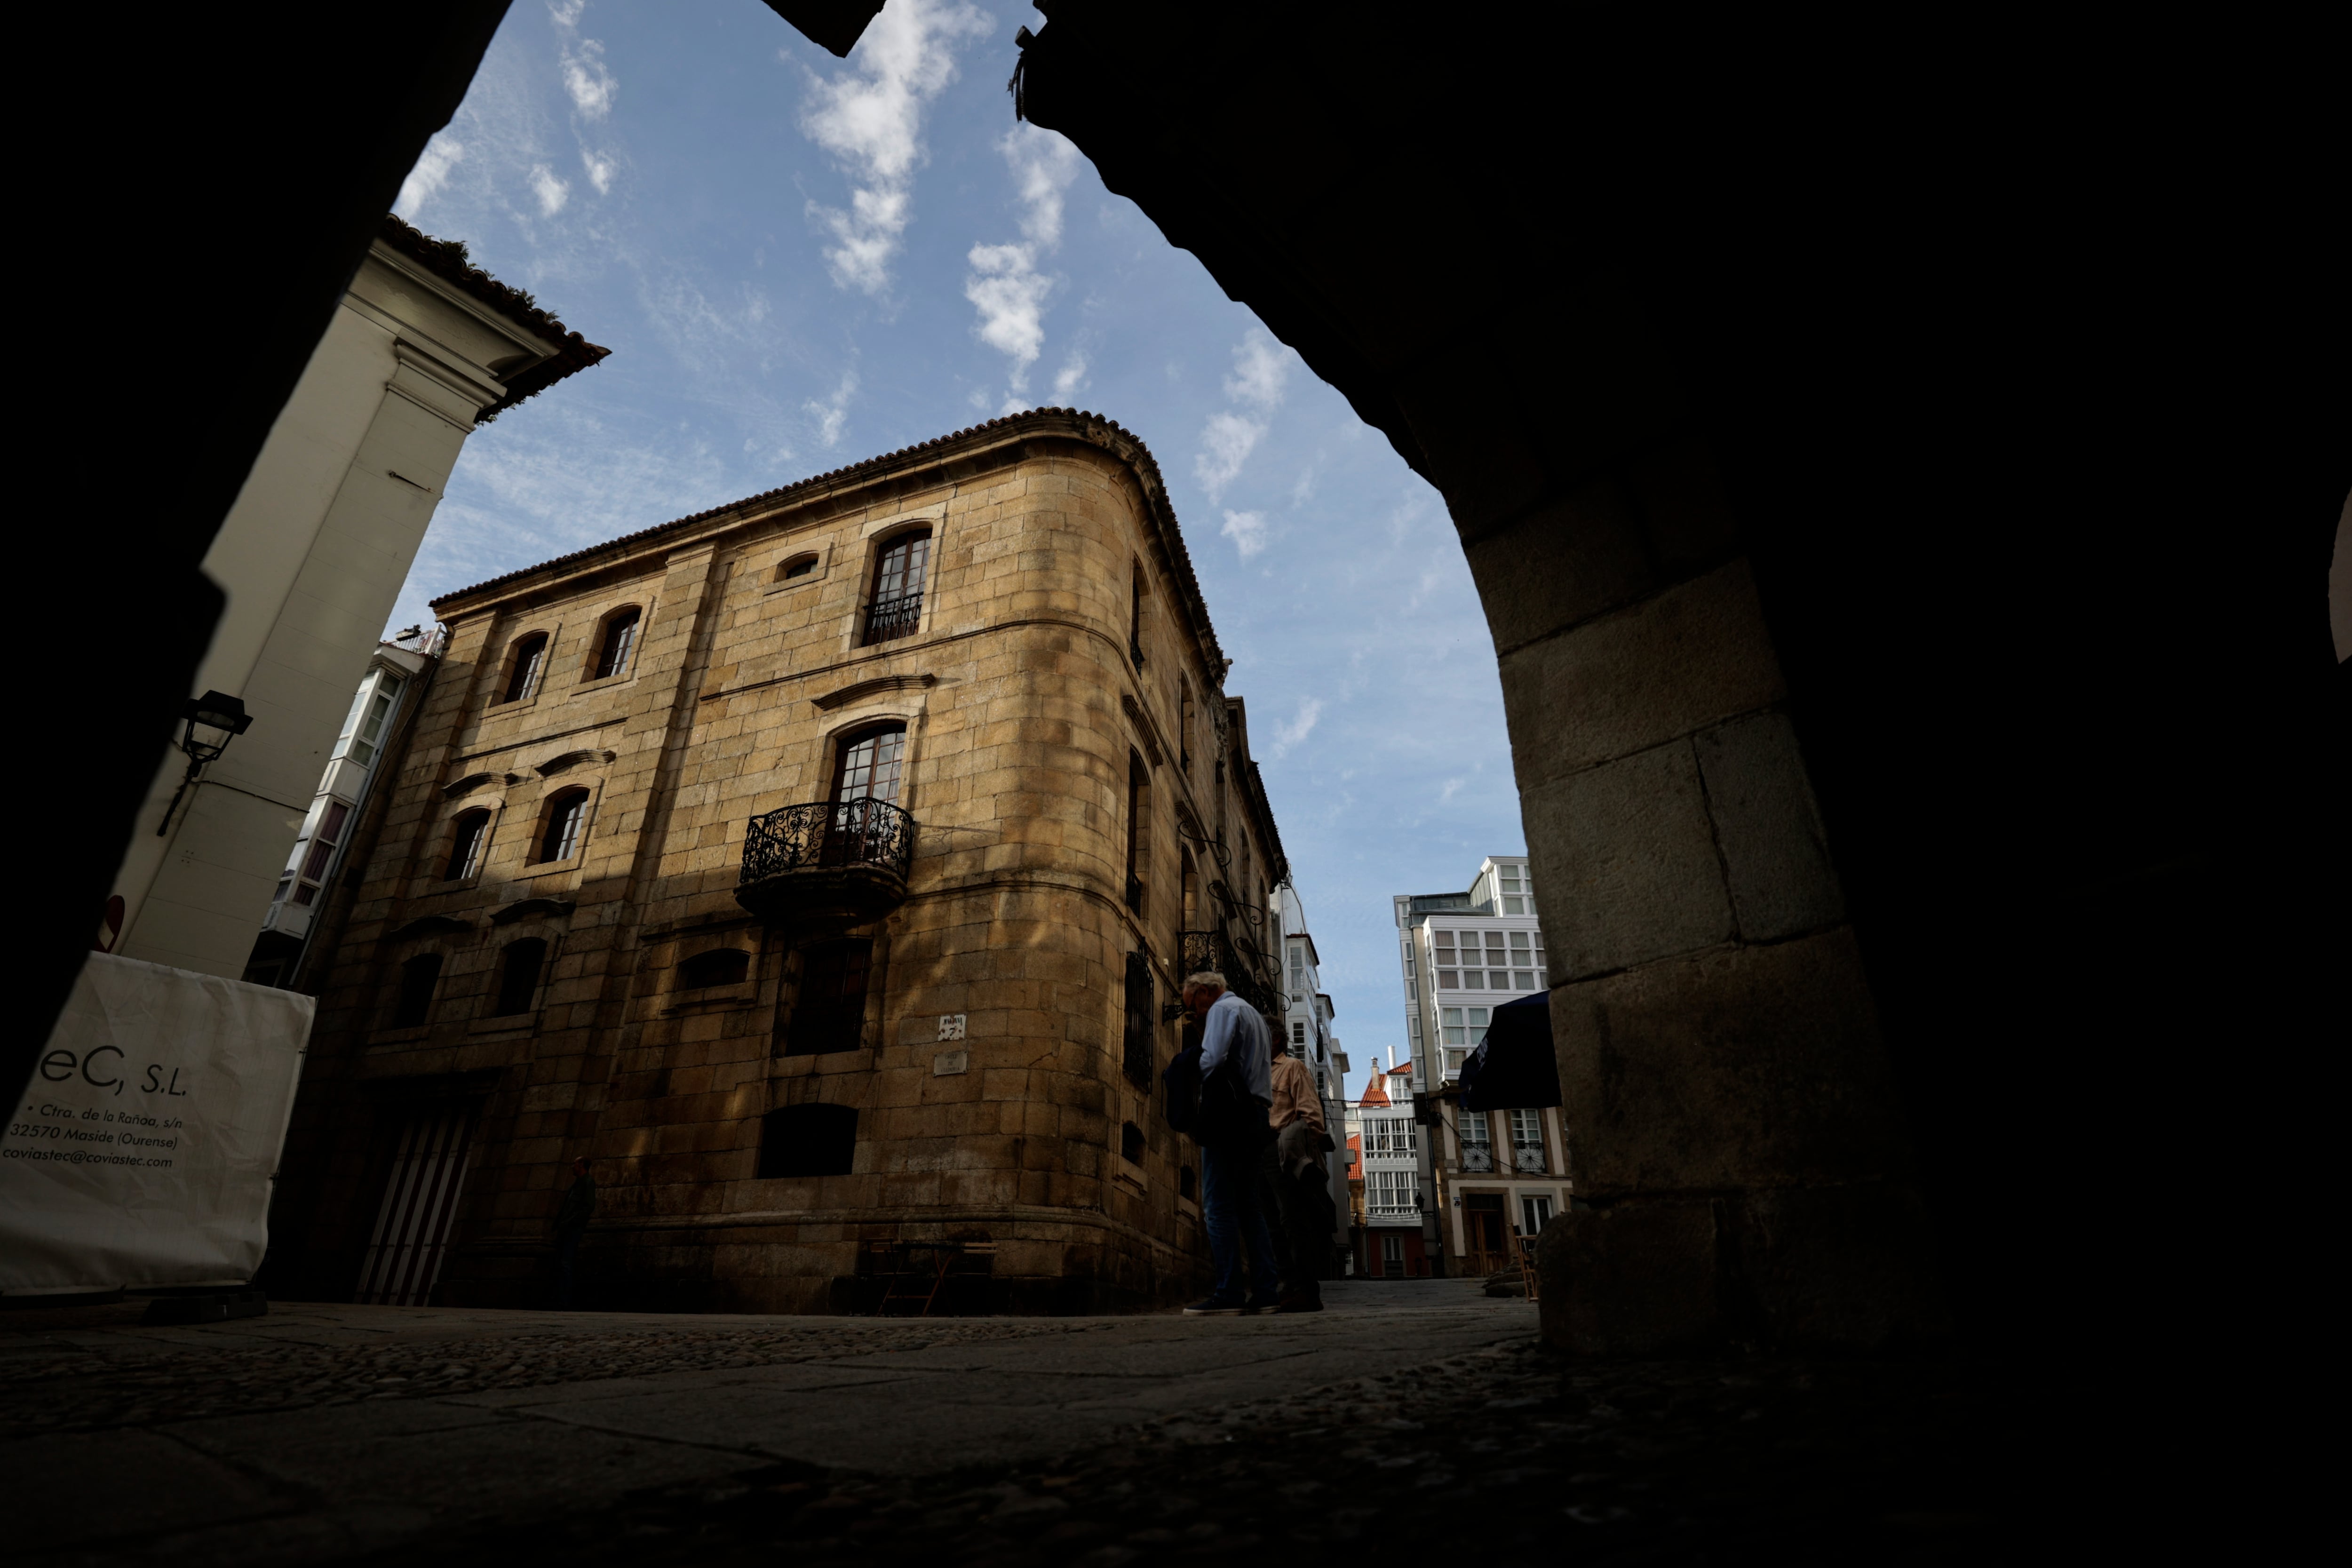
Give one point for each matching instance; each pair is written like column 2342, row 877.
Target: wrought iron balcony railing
column 1528, row 1158
column 889, row 618
column 1478, row 1157
column 1211, row 950
column 825, row 834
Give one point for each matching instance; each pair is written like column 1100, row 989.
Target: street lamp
column 211, row 721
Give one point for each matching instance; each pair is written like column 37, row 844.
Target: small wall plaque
column 951, row 1025
column 947, row 1064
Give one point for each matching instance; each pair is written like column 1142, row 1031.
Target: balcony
column 1528, row 1159
column 889, row 619
column 1477, row 1158
column 826, row 864
column 1211, row 950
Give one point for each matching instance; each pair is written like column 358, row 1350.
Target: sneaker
column 1212, row 1307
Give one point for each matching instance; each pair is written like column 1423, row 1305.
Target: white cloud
column 1010, row 293
column 600, row 170
column 1260, row 368
column 1044, row 164
column 566, row 13
column 552, row 193
column 870, row 119
column 1226, row 442
column 1070, row 380
column 1247, row 531
column 831, row 416
column 1453, row 788
column 591, row 87
column 1005, row 284
column 441, row 156
column 1288, row 735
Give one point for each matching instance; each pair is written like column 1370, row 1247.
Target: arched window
column 567, row 814
column 1184, row 724
column 868, row 766
column 524, row 666
column 898, row 603
column 1138, row 812
column 1192, row 894
column 811, row 1139
column 796, row 567
column 620, row 636
column 469, row 836
column 418, row 976
column 519, row 969
column 1131, row 1143
column 720, row 967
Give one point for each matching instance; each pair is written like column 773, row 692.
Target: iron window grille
column 826, row 833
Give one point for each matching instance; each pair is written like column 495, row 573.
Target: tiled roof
column 1090, row 427
column 1373, row 1093
column 448, row 260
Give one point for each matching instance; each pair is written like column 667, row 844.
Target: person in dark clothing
column 572, row 1219
column 1235, row 1095
column 1292, row 1179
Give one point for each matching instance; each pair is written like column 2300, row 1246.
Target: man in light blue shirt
column 1236, row 1089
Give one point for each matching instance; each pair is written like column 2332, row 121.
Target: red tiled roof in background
column 1373, row 1093
column 448, row 260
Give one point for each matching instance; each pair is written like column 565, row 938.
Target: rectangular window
column 1478, row 1141
column 1471, row 980
column 1453, row 1060
column 1519, row 944
column 1449, row 980
column 830, row 1013
column 1528, row 1143
column 1141, row 1020
column 1535, row 1212
column 1450, row 1020
column 1523, row 979
column 1297, row 1033
column 1515, row 906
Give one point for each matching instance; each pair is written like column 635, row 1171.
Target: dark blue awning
column 1514, row 1069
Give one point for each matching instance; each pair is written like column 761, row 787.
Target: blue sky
column 801, row 262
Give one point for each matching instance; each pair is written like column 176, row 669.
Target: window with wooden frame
column 518, row 968
column 1139, row 817
column 720, row 967
column 469, row 836
column 829, row 1012
column 618, row 640
column 896, row 608
column 525, row 664
column 1142, row 1021
column 567, row 816
column 418, row 977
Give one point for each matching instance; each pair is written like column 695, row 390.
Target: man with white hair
column 1236, row 1088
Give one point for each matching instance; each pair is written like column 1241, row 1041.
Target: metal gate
column 420, row 1209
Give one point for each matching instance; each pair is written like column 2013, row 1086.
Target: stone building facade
column 822, row 868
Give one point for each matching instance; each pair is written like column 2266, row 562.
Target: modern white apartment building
column 1393, row 1243
column 1307, row 1022
column 1491, row 1178
column 386, row 696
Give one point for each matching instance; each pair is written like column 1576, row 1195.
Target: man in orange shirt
column 1293, row 1169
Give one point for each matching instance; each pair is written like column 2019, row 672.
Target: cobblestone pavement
column 1420, row 1418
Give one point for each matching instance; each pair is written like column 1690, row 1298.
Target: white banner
column 142, row 1150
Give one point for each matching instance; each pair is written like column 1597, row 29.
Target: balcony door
column 866, row 771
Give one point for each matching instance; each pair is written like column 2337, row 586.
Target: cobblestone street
column 1420, row 1414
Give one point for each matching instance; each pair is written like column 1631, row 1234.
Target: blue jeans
column 1229, row 1203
